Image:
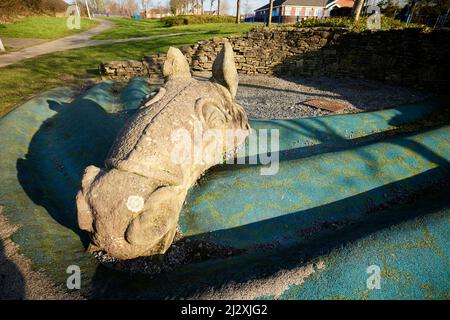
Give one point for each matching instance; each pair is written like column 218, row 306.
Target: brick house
column 156, row 13
column 290, row 11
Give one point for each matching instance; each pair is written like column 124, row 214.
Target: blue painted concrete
column 335, row 129
column 337, row 176
column 246, row 209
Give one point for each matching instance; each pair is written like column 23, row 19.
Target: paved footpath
column 79, row 40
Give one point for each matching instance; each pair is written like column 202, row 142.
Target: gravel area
column 18, row 279
column 275, row 98
column 183, row 251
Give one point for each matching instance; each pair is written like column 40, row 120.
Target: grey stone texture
column 408, row 57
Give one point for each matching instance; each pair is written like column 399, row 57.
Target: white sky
column 253, row 4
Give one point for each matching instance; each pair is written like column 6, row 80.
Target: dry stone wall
column 403, row 57
column 149, row 67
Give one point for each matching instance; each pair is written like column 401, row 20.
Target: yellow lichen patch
column 432, row 294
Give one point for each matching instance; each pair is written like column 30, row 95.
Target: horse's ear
column 176, row 65
column 224, row 69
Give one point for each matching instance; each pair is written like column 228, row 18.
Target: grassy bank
column 20, row 81
column 43, row 27
column 132, row 28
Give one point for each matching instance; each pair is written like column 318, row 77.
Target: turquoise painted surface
column 414, row 260
column 334, row 170
column 46, row 145
column 409, row 243
column 247, row 209
column 337, row 129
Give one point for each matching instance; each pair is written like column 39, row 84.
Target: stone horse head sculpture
column 131, row 207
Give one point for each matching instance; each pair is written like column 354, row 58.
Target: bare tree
column 175, row 6
column 87, row 9
column 238, row 11
column 182, row 6
column 132, row 7
column 96, row 6
column 224, row 7
column 146, row 4
column 356, row 10
column 269, row 18
column 247, row 7
column 2, row 48
column 219, row 7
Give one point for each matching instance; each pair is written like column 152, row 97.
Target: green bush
column 328, row 22
column 387, row 23
column 195, row 19
column 10, row 9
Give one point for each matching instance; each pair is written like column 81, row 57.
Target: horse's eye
column 211, row 113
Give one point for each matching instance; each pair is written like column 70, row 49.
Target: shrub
column 195, row 19
column 327, row 22
column 387, row 23
column 53, row 6
column 9, row 9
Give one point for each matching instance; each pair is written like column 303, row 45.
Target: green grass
column 43, row 27
column 20, row 81
column 132, row 28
